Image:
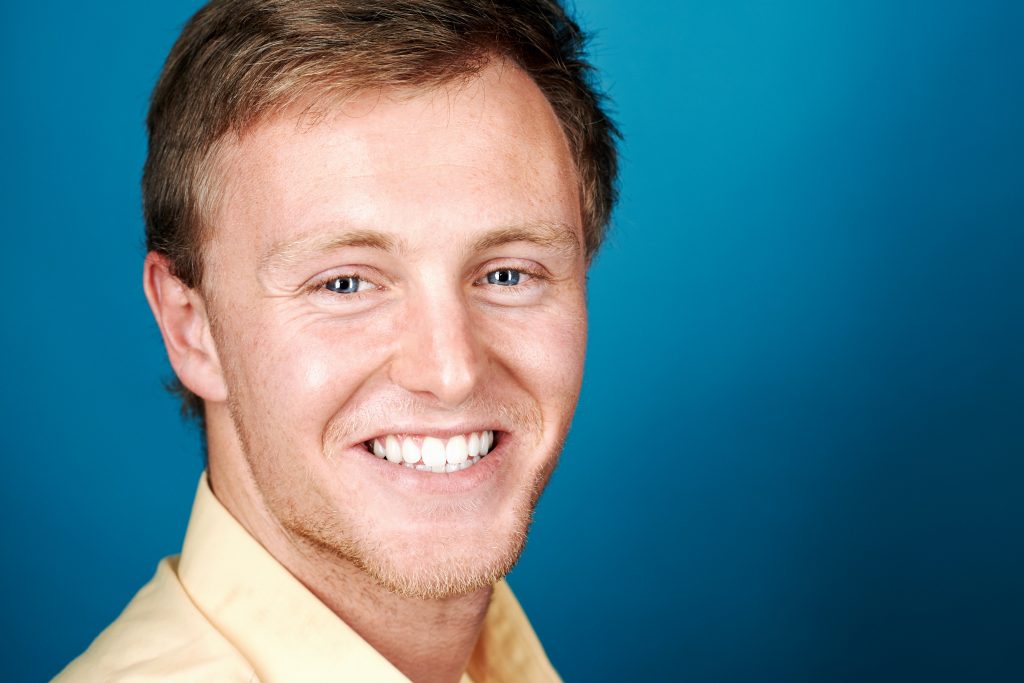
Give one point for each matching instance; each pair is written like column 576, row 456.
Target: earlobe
column 180, row 312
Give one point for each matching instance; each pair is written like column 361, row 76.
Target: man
column 369, row 225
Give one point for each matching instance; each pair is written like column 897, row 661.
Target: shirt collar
column 287, row 634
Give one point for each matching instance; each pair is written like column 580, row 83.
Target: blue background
column 798, row 453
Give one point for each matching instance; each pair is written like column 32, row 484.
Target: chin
column 447, row 567
column 432, row 559
column 431, row 550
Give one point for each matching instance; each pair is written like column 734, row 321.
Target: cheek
column 298, row 373
column 316, row 374
column 544, row 351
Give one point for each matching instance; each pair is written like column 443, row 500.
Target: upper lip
column 436, row 432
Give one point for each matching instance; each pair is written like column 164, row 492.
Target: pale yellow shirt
column 225, row 610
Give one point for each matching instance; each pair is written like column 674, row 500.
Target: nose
column 441, row 354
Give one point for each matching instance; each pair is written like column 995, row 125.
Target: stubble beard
column 325, row 533
column 411, row 573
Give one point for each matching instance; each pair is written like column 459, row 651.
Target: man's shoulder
column 160, row 635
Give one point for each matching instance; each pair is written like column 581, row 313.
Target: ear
column 181, row 314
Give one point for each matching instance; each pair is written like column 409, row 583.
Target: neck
column 428, row 640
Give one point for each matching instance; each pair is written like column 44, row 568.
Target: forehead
column 485, row 151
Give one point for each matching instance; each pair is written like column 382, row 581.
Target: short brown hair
column 237, row 62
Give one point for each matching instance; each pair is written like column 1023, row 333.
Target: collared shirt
column 226, row 610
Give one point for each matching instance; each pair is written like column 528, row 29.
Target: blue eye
column 343, row 285
column 505, row 276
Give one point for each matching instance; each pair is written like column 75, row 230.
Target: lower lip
column 418, row 482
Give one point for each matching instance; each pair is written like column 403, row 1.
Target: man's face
column 404, row 276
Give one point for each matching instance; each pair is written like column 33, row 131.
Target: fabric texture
column 225, row 610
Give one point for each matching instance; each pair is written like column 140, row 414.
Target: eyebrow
column 558, row 236
column 552, row 235
column 284, row 254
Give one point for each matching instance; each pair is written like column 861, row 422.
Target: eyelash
column 320, row 284
column 535, row 276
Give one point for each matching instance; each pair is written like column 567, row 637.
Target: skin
column 421, row 195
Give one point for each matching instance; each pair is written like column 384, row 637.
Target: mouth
column 433, row 454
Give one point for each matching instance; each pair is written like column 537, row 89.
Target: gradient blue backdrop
column 798, row 454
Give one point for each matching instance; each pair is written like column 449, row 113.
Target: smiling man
column 369, row 227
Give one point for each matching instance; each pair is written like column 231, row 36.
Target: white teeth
column 456, row 451
column 392, row 450
column 410, row 451
column 433, row 452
